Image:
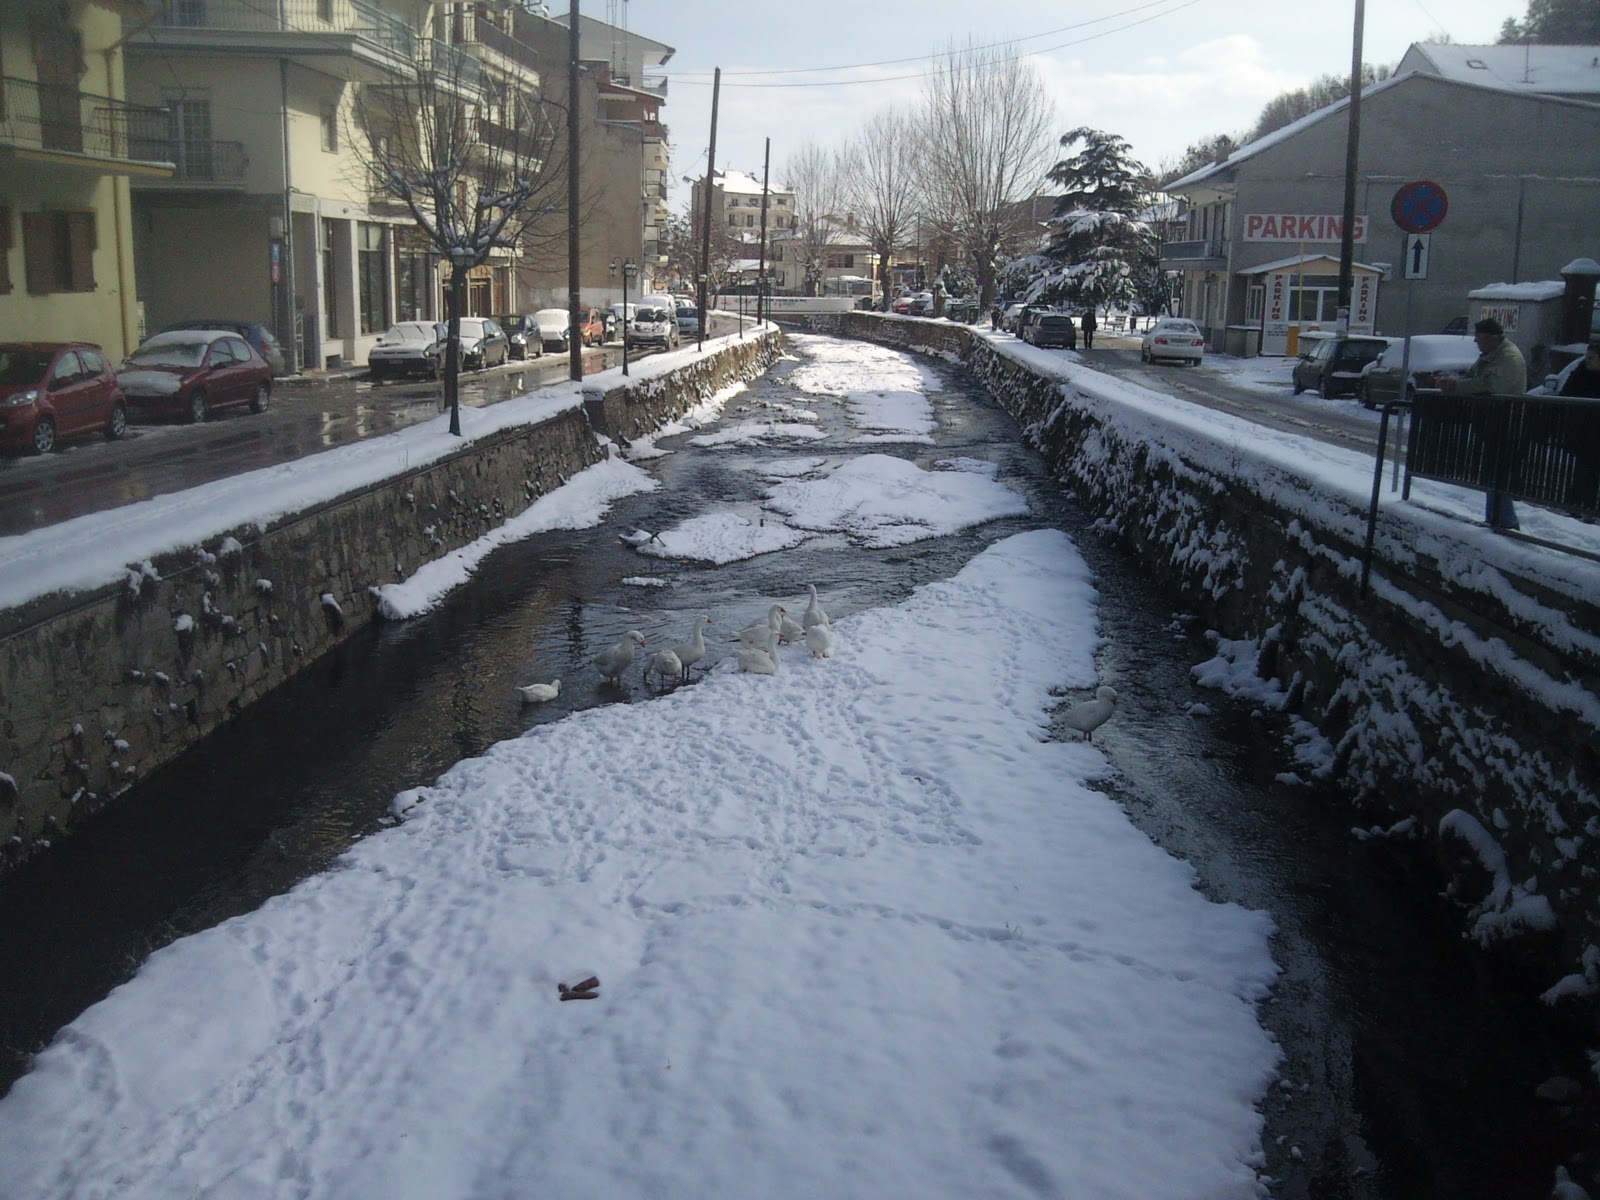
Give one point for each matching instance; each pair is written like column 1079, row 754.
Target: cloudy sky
column 1161, row 74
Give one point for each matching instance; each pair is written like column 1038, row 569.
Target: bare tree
column 474, row 157
column 881, row 186
column 986, row 144
column 680, row 242
column 816, row 177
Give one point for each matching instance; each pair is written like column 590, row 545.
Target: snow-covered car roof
column 187, row 337
column 412, row 331
column 552, row 318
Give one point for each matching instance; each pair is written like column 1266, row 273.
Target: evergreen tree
column 1101, row 250
column 1556, row 23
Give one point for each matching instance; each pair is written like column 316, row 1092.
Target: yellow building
column 69, row 144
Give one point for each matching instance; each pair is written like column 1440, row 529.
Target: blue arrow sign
column 1419, row 206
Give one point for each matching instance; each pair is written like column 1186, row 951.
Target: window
column 733, row 219
column 325, row 11
column 67, row 371
column 330, row 129
column 329, row 280
column 371, row 278
column 93, row 364
column 58, row 251
column 836, row 261
column 189, row 137
column 1256, row 302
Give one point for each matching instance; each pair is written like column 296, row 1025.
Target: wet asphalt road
column 1408, row 1071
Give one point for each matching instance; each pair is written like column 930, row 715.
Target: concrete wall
column 1444, row 690
column 98, row 690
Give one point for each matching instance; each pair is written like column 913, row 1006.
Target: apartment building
column 275, row 212
column 68, row 150
column 624, row 160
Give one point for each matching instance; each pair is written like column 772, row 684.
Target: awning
column 1306, row 260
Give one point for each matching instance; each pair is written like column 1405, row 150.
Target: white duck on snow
column 1089, row 715
column 814, row 615
column 819, row 638
column 694, row 649
column 663, row 664
column 755, row 633
column 762, row 659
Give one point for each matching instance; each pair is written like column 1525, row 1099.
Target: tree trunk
column 452, row 349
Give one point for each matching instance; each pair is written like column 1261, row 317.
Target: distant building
column 1258, row 258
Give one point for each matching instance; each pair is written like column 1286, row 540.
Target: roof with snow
column 1251, row 149
column 738, row 183
column 1548, row 70
column 1546, row 289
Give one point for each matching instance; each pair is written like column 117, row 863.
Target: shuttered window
column 58, row 251
column 5, row 248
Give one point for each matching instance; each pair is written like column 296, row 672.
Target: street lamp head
column 613, row 267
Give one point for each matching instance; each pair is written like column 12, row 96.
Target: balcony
column 306, row 30
column 68, row 127
column 469, row 28
column 1210, row 250
column 201, row 165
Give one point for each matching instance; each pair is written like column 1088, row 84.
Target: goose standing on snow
column 538, row 693
column 1091, row 714
column 790, row 630
column 662, row 664
column 819, row 638
column 615, row 659
column 694, row 649
column 755, row 633
column 814, row 614
column 762, row 659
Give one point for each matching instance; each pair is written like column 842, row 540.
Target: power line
column 893, row 62
column 837, row 83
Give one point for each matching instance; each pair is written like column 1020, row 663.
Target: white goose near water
column 1091, row 714
column 814, row 614
column 694, row 649
column 762, row 659
column 615, row 659
column 538, row 693
column 755, row 633
column 663, row 664
column 819, row 638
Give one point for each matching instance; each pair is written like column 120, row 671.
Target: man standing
column 1089, row 325
column 1499, row 371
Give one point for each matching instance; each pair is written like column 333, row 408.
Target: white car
column 1432, row 354
column 408, row 348
column 653, row 326
column 1174, row 338
column 555, row 328
column 688, row 317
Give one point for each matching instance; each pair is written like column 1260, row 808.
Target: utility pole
column 574, row 337
column 761, row 273
column 1352, row 164
column 705, row 224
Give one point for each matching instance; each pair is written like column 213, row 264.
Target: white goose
column 694, row 649
column 819, row 638
column 538, row 693
column 790, row 630
column 615, row 659
column 1089, row 715
column 763, row 659
column 814, row 614
column 662, row 664
column 755, row 633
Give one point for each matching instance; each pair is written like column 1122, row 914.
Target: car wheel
column 1366, row 397
column 44, row 436
column 1325, row 389
column 263, row 397
column 1298, row 386
column 117, row 423
column 374, row 374
column 197, row 407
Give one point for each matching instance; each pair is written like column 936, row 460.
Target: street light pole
column 628, row 272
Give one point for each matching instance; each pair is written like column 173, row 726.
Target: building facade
column 1258, row 261
column 69, row 147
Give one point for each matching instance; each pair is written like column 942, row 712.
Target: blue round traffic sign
column 1419, row 206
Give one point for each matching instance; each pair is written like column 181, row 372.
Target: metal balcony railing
column 486, row 34
column 198, row 162
column 355, row 17
column 656, row 85
column 1204, row 248
column 50, row 117
column 450, row 67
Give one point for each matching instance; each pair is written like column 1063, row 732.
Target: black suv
column 1332, row 367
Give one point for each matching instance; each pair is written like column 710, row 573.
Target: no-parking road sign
column 1419, row 206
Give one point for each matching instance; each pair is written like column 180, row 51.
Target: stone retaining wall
column 99, row 689
column 1456, row 700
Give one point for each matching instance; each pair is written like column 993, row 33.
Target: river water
column 1409, row 1070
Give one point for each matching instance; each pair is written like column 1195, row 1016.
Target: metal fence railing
column 357, row 17
column 197, row 161
column 55, row 117
column 1543, row 449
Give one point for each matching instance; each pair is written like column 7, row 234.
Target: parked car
column 194, row 372
column 1553, row 383
column 55, row 390
column 921, row 304
column 624, row 314
column 1174, row 338
column 1010, row 317
column 1456, row 325
column 483, row 343
column 655, row 327
column 259, row 336
column 408, row 348
column 555, row 327
column 522, row 333
column 1053, row 329
column 901, row 305
column 1432, row 354
column 591, row 325
column 1029, row 314
column 688, row 318
column 1332, row 366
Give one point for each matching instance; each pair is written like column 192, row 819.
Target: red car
column 193, row 372
column 53, row 390
column 592, row 325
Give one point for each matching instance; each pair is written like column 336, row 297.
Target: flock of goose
column 757, row 650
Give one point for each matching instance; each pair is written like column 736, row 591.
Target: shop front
column 1287, row 297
